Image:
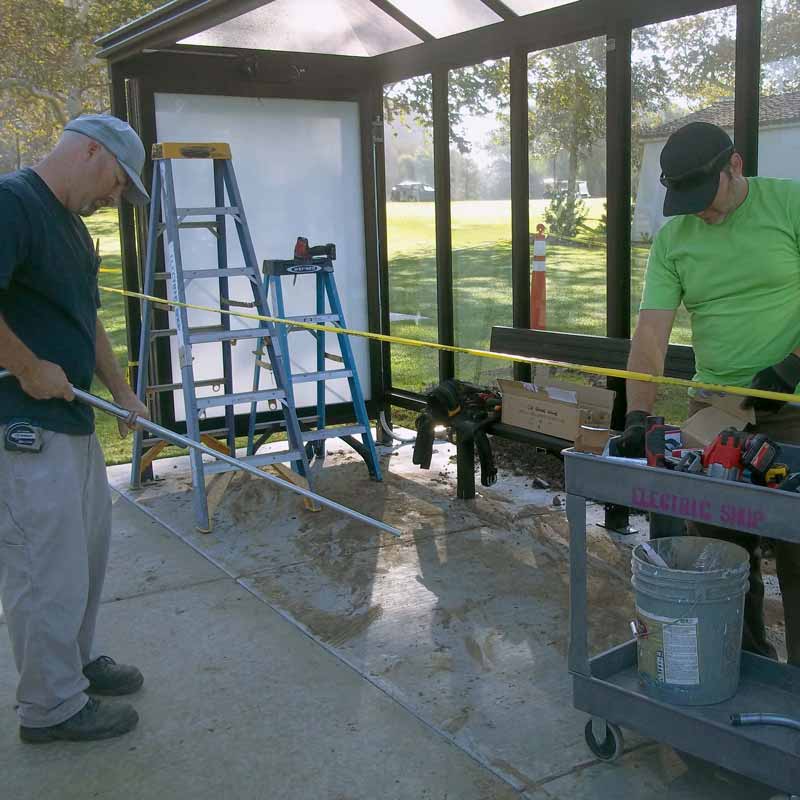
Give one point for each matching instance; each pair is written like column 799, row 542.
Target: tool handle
column 655, row 441
column 185, row 441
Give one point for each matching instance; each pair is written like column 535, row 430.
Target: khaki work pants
column 55, row 524
column 781, row 426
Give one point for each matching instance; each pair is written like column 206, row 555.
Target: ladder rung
column 318, row 319
column 210, row 224
column 219, row 211
column 213, row 467
column 239, row 397
column 332, row 433
column 208, row 330
column 174, row 387
column 219, row 334
column 331, row 375
column 194, row 274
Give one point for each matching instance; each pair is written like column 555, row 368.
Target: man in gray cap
column 731, row 255
column 55, row 505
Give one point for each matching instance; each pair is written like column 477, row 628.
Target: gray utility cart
column 607, row 686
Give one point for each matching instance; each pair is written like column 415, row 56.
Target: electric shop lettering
column 694, row 508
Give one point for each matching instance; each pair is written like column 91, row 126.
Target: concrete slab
column 239, row 703
column 145, row 557
column 463, row 619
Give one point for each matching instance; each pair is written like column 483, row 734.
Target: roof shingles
column 777, row 109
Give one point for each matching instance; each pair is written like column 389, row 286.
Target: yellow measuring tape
column 382, row 337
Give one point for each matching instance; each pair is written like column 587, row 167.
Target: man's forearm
column 106, row 366
column 647, row 357
column 15, row 355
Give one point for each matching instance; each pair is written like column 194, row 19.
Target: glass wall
column 779, row 127
column 682, row 71
column 411, row 230
column 480, row 186
column 567, row 184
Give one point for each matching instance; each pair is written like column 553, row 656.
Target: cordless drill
column 723, row 457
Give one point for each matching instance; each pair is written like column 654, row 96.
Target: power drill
column 723, row 457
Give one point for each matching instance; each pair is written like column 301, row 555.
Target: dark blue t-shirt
column 48, row 297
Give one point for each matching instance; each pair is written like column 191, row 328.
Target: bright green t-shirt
column 739, row 281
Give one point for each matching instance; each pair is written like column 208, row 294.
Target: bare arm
column 108, row 371
column 648, row 351
column 40, row 379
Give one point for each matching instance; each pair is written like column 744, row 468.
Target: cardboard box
column 592, row 440
column 724, row 411
column 555, row 408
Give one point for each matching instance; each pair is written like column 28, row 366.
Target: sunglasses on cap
column 698, row 174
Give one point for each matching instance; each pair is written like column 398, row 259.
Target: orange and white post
column 539, row 281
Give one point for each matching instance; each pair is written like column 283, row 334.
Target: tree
column 49, row 73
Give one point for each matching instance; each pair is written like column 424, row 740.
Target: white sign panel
column 298, row 165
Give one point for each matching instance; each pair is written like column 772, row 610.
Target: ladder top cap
column 165, row 150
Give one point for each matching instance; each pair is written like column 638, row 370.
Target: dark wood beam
column 520, row 203
column 748, row 82
column 406, row 21
column 501, row 9
column 544, row 29
column 170, row 24
column 618, row 194
column 444, row 233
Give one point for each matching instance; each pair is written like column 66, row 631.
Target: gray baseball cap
column 123, row 143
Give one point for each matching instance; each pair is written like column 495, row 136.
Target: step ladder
column 163, row 205
column 321, row 267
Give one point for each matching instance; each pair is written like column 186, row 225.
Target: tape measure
column 22, row 436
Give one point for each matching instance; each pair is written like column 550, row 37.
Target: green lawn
column 576, row 290
column 576, row 293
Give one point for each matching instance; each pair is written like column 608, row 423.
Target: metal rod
column 182, row 441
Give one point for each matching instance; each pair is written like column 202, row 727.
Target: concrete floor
column 298, row 655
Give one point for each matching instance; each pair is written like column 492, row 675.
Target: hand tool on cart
column 131, row 418
column 655, row 441
column 758, row 456
column 765, row 719
column 723, row 457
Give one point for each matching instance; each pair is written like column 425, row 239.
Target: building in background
column 778, row 152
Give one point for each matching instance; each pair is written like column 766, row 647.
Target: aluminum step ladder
column 178, row 277
column 321, row 267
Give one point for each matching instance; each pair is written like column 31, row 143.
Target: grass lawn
column 576, row 294
column 576, row 288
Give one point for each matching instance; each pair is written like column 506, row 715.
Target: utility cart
column 607, row 686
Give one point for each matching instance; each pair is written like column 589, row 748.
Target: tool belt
column 466, row 411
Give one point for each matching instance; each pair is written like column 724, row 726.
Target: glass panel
column 446, row 17
column 532, row 6
column 357, row 28
column 480, row 186
column 567, row 128
column 411, row 230
column 779, row 129
column 683, row 70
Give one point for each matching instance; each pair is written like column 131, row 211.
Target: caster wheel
column 611, row 748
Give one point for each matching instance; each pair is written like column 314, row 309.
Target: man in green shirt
column 731, row 255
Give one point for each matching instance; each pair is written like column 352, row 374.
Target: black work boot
column 107, row 677
column 94, row 721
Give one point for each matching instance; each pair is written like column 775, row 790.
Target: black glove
column 631, row 443
column 783, row 377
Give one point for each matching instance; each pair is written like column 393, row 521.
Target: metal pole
column 182, row 441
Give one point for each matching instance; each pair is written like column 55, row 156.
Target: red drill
column 723, row 457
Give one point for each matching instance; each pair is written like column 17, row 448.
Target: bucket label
column 667, row 649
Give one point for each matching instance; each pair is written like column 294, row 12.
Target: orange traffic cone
column 539, row 281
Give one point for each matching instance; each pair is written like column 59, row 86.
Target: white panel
column 298, row 165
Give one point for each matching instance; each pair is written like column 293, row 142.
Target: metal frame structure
column 144, row 58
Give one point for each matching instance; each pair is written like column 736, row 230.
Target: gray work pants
column 55, row 524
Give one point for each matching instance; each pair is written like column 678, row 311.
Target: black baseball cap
column 691, row 162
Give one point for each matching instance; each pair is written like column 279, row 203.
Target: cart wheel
column 611, row 748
